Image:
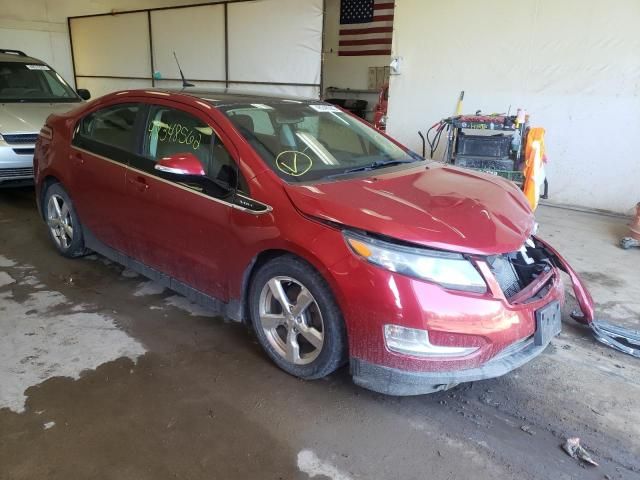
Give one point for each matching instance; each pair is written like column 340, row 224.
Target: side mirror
column 84, row 94
column 181, row 164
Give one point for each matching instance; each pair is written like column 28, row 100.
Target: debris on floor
column 527, row 429
column 627, row 242
column 615, row 336
column 575, row 450
column 622, row 339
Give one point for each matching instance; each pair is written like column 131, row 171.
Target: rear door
column 180, row 225
column 104, row 143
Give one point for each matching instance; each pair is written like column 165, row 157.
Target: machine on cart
column 489, row 143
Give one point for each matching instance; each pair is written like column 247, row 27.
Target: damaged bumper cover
column 391, row 381
column 395, row 381
column 614, row 336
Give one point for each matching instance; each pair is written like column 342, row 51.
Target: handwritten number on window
column 175, row 133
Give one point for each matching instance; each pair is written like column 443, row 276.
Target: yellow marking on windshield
column 294, row 163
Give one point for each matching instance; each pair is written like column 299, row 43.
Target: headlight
column 450, row 270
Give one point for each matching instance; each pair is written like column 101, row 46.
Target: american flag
column 366, row 27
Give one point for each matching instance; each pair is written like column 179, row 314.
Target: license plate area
column 548, row 323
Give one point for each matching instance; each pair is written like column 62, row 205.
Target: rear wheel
column 296, row 318
column 65, row 230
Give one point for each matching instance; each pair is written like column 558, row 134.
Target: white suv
column 30, row 90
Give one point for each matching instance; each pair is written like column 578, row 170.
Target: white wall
column 39, row 27
column 574, row 65
column 344, row 72
column 286, row 51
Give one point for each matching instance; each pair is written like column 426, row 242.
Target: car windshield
column 304, row 142
column 31, row 82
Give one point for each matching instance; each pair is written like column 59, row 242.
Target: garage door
column 222, row 44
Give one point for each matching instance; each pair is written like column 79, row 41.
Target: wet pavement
column 104, row 375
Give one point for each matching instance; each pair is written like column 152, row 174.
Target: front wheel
column 296, row 318
column 65, row 230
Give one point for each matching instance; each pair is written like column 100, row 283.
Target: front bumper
column 16, row 165
column 392, row 381
column 500, row 329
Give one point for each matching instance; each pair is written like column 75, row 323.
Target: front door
column 181, row 224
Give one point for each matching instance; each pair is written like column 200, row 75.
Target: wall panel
column 111, row 45
column 266, row 45
column 196, row 35
column 275, row 41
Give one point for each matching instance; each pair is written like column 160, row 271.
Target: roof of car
column 226, row 96
column 15, row 57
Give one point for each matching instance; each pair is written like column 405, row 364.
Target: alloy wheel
column 60, row 221
column 291, row 320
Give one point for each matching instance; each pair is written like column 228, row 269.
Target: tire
column 279, row 332
column 63, row 224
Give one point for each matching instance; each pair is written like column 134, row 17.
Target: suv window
column 171, row 131
column 113, row 126
column 33, row 82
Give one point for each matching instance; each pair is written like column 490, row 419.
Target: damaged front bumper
column 614, row 336
column 392, row 381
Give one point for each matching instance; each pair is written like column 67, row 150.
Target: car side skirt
column 229, row 309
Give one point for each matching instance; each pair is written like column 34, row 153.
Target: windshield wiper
column 372, row 166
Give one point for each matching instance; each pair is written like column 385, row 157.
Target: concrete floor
column 104, row 375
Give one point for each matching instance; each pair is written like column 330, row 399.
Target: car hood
column 29, row 117
column 440, row 207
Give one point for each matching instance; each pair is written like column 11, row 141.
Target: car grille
column 20, row 138
column 24, row 151
column 16, row 172
column 506, row 275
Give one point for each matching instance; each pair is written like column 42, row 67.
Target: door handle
column 140, row 183
column 79, row 159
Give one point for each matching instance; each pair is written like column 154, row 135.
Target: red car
column 335, row 243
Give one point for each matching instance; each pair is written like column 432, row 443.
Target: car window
column 171, row 131
column 113, row 126
column 314, row 141
column 335, row 137
column 332, row 135
column 259, row 119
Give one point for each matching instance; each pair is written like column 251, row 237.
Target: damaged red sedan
column 334, row 242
